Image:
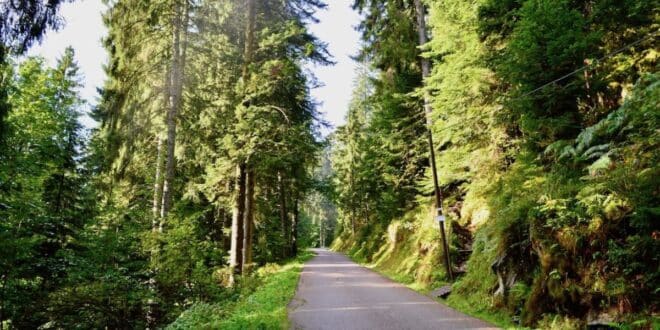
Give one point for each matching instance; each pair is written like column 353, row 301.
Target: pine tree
column 22, row 24
column 45, row 200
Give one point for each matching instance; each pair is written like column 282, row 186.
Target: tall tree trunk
column 173, row 83
column 320, row 233
column 352, row 216
column 426, row 69
column 283, row 214
column 226, row 223
column 248, row 224
column 5, row 106
column 2, row 301
column 158, row 188
column 249, row 39
column 158, row 179
column 236, row 251
column 176, row 90
column 155, row 227
column 294, row 225
column 238, row 221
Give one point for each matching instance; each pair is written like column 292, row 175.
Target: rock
column 441, row 292
column 602, row 321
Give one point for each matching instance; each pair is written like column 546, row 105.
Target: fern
column 601, row 165
column 595, row 151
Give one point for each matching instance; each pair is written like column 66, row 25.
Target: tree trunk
column 321, row 233
column 176, row 91
column 158, row 188
column 158, row 180
column 174, row 84
column 155, row 227
column 238, row 221
column 294, row 225
column 283, row 214
column 2, row 301
column 352, row 221
column 248, row 223
column 236, row 251
column 226, row 223
column 249, row 39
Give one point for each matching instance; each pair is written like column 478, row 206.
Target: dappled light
column 329, row 164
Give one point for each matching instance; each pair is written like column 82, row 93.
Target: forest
column 530, row 127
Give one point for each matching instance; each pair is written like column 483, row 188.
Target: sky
column 84, row 30
column 337, row 28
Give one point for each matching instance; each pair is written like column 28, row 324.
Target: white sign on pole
column 440, row 218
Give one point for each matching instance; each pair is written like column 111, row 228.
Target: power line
column 599, row 60
column 591, row 64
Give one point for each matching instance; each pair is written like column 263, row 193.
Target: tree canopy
column 539, row 119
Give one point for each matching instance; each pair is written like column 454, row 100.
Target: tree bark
column 248, row 223
column 249, row 39
column 238, row 221
column 320, row 234
column 176, row 91
column 283, row 214
column 158, row 180
column 226, row 223
column 158, row 188
column 294, row 225
column 236, row 251
column 174, row 84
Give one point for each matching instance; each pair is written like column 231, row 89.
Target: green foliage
column 45, row 197
column 551, row 193
column 555, row 187
column 83, row 243
column 261, row 305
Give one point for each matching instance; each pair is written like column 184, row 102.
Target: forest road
column 336, row 293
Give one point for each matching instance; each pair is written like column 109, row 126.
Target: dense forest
column 200, row 168
column 544, row 118
column 530, row 126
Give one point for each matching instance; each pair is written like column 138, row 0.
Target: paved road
column 336, row 293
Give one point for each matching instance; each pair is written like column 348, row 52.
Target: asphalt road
column 336, row 293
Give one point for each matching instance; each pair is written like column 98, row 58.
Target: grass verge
column 263, row 308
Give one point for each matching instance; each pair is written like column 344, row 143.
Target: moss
column 580, row 240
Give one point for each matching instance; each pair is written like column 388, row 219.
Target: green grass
column 475, row 309
column 263, row 308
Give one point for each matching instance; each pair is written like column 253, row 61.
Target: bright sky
column 84, row 30
column 337, row 28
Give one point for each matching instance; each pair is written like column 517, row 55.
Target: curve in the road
column 336, row 293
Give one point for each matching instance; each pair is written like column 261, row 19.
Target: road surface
column 336, row 293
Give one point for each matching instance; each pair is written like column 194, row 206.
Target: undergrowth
column 570, row 231
column 261, row 302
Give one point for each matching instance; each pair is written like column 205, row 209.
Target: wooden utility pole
column 426, row 69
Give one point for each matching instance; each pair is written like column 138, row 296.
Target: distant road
column 336, row 293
